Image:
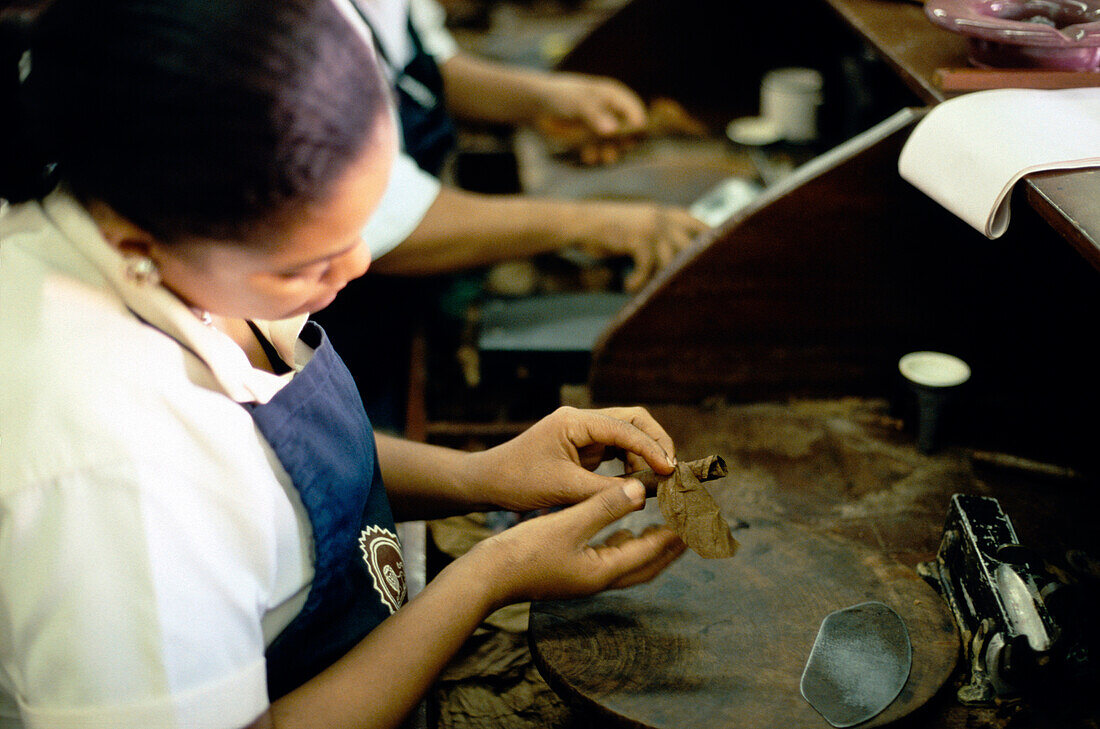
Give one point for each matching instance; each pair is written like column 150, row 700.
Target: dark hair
column 23, row 172
column 189, row 117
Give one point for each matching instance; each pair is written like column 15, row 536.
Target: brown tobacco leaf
column 668, row 118
column 692, row 513
column 705, row 469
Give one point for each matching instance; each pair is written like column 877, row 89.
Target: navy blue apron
column 426, row 127
column 322, row 436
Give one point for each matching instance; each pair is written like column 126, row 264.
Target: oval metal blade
column 859, row 663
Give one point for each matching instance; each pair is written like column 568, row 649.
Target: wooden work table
column 833, row 506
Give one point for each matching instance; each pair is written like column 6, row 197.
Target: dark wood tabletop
column 833, row 506
column 723, row 643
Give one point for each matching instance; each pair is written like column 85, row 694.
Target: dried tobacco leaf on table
column 692, row 513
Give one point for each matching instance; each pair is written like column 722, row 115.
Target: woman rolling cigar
column 194, row 530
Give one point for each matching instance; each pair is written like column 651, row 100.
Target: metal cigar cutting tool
column 1018, row 622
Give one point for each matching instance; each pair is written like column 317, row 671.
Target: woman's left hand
column 551, row 463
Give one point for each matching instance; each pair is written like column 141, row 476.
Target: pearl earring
column 142, row 271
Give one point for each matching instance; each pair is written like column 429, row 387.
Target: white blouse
column 151, row 545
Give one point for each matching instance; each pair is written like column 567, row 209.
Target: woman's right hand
column 549, row 557
column 650, row 234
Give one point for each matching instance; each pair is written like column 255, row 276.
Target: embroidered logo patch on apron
column 382, row 553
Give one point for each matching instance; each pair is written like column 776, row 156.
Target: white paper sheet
column 969, row 151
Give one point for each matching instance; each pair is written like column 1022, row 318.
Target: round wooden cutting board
column 722, row 643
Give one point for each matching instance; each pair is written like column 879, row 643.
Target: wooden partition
column 813, row 289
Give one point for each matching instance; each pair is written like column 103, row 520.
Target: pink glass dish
column 1058, row 34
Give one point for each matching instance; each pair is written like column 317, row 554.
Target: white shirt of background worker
column 423, row 227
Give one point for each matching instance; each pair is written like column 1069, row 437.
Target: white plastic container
column 790, row 97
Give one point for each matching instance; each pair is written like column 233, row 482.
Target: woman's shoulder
column 84, row 381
